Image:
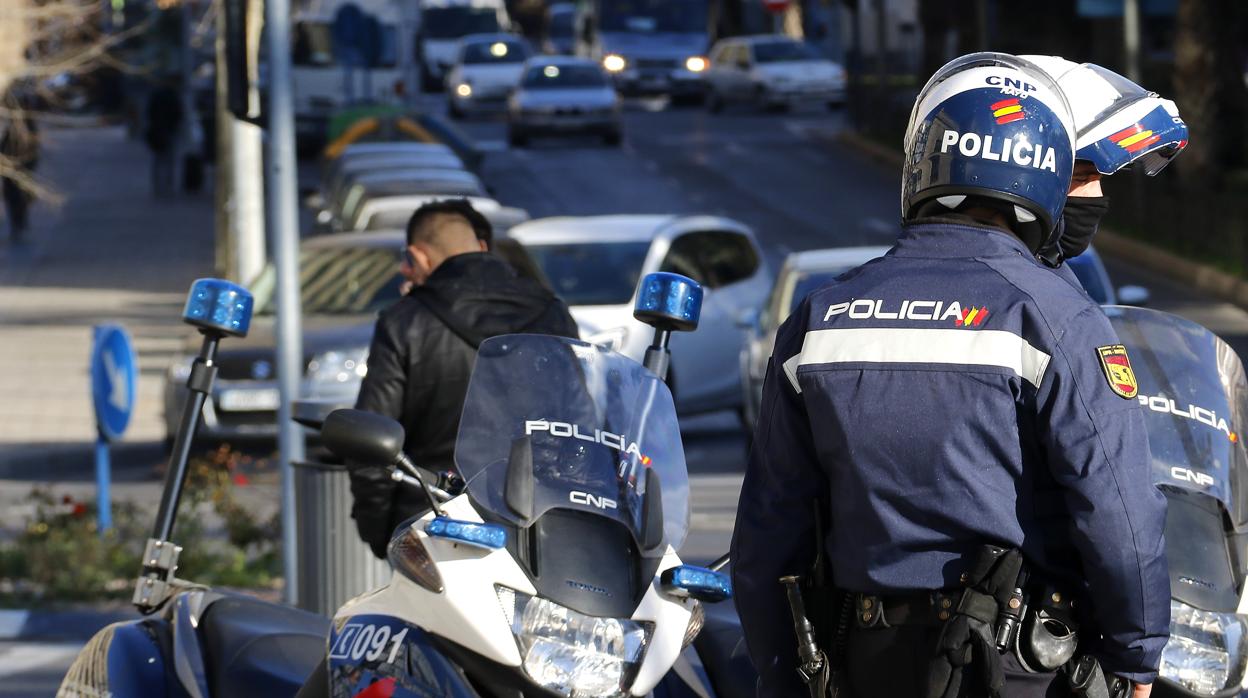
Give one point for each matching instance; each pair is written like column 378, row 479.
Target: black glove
column 372, row 492
column 969, row 638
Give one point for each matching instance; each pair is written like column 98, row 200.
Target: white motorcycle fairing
column 468, row 612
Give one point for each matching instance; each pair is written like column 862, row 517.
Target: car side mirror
column 363, row 437
column 1133, row 295
column 743, row 63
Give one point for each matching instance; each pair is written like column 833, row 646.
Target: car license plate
column 248, row 400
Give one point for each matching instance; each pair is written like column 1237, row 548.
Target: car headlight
column 614, row 62
column 570, row 653
column 611, row 340
column 1207, row 651
column 463, row 89
column 338, row 366
column 695, row 64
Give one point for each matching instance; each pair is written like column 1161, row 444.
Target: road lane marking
column 24, row 658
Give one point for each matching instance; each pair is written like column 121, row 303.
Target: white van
column 321, row 80
column 444, row 22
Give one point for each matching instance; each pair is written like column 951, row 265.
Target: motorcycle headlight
column 1207, row 651
column 338, row 366
column 611, row 340
column 573, row 654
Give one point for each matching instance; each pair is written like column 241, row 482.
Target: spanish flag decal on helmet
column 1134, row 138
column 1007, row 110
column 1118, row 371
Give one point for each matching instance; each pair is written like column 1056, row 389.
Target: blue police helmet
column 991, row 129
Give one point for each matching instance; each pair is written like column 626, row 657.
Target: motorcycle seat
column 721, row 646
column 256, row 648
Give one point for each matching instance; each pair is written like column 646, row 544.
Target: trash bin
column 334, row 564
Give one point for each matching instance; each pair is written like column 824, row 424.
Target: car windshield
column 1194, row 396
column 782, row 51
column 495, row 52
column 458, row 20
column 647, row 16
column 561, row 76
column 574, row 426
column 337, row 281
column 592, row 273
column 1088, row 270
column 313, row 46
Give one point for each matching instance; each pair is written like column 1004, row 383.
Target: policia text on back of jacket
column 951, row 395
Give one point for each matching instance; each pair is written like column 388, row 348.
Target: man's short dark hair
column 449, row 207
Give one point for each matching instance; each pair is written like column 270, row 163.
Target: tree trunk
column 1209, row 90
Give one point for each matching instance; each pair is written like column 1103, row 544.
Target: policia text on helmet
column 982, row 488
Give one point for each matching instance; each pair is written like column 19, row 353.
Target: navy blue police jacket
column 952, row 393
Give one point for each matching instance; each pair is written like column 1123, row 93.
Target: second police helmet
column 1118, row 123
column 991, row 129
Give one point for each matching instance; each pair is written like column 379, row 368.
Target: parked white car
column 770, row 71
column 801, row 273
column 595, row 262
column 487, row 68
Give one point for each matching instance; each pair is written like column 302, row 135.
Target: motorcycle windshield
column 555, row 423
column 1193, row 392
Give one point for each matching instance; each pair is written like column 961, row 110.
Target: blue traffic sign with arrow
column 113, row 373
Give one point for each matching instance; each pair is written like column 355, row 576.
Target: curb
column 79, row 625
column 1200, row 277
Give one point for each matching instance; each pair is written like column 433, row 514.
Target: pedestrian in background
column 424, row 347
column 164, row 123
column 20, row 148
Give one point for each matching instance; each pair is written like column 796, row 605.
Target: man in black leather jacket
column 418, row 365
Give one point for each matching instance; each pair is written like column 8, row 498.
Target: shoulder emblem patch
column 1117, row 368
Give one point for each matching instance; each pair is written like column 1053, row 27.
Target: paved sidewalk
column 109, row 253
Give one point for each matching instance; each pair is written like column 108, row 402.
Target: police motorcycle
column 1192, row 389
column 552, row 571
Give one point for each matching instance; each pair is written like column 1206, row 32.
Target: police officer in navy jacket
column 951, row 394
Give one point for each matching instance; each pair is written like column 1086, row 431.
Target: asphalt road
column 785, row 175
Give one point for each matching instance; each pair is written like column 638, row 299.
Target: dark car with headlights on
column 345, row 280
column 563, row 95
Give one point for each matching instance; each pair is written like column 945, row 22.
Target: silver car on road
column 563, row 95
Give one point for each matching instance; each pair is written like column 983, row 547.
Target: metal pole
column 103, row 476
column 1131, row 38
column 283, row 217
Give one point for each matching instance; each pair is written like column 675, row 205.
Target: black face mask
column 1081, row 218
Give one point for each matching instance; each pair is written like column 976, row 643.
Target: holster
column 966, row 649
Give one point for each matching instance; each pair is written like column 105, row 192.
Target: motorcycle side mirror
column 365, row 437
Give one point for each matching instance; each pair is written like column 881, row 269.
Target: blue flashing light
column 669, row 301
column 219, row 306
column 482, row 535
column 697, row 582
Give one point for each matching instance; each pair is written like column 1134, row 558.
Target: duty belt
column 917, row 608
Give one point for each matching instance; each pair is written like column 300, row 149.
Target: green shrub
column 60, row 556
